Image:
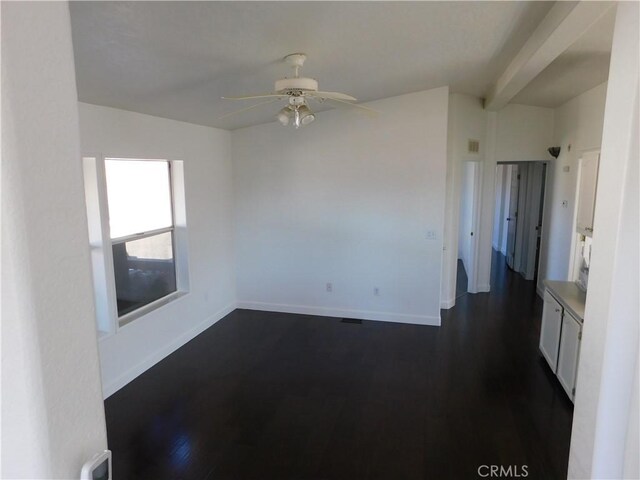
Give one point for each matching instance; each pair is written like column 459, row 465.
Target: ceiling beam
column 565, row 23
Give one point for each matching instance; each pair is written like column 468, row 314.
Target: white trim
column 476, row 209
column 150, row 307
column 140, row 235
column 101, row 242
column 540, row 291
column 343, row 312
column 150, row 361
column 101, row 252
column 180, row 234
column 447, row 304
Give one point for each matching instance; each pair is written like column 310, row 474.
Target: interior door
column 513, row 216
column 468, row 206
column 539, row 225
column 550, row 330
column 587, row 192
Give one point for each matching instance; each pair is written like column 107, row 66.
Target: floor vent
column 351, row 320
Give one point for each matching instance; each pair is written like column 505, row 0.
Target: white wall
column 515, row 133
column 602, row 431
column 206, row 153
column 523, row 133
column 52, row 409
column 632, row 445
column 519, row 133
column 348, row 200
column 467, row 120
column 577, row 123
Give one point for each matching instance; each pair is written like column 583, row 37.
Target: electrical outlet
column 376, row 291
column 431, row 235
column 329, row 287
column 565, row 204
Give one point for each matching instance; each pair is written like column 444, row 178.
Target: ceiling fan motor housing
column 298, row 84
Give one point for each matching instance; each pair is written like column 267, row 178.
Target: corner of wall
column 136, row 370
column 447, row 304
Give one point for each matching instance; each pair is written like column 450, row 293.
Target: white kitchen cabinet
column 587, row 192
column 550, row 330
column 569, row 353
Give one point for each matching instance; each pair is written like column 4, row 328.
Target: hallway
column 268, row 395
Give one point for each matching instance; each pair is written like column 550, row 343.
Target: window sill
column 150, row 307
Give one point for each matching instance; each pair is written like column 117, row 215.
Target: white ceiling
column 581, row 67
column 175, row 59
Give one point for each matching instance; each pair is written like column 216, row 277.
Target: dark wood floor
column 277, row 396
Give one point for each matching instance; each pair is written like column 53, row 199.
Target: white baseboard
column 484, row 287
column 138, row 369
column 447, row 304
column 150, row 361
column 346, row 313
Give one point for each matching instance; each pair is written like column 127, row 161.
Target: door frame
column 543, row 181
column 472, row 273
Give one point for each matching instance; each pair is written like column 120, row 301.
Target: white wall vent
column 473, row 146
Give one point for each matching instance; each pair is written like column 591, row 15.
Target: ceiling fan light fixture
column 297, row 90
column 306, row 115
column 284, row 116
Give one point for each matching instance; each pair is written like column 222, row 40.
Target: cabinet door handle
column 589, row 229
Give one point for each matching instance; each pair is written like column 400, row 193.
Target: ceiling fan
column 298, row 91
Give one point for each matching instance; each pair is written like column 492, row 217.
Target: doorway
column 467, row 228
column 512, row 214
column 519, row 206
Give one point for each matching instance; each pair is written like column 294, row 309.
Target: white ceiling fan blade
column 259, row 95
column 369, row 111
column 242, row 110
column 332, row 96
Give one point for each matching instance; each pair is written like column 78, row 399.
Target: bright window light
column 139, row 196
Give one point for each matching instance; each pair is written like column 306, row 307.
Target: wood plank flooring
column 279, row 396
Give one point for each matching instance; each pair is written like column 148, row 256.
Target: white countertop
column 569, row 295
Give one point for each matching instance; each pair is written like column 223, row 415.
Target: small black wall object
column 554, row 151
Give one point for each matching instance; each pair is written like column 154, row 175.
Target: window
column 137, row 231
column 141, row 229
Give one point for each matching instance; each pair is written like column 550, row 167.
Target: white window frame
column 101, row 243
